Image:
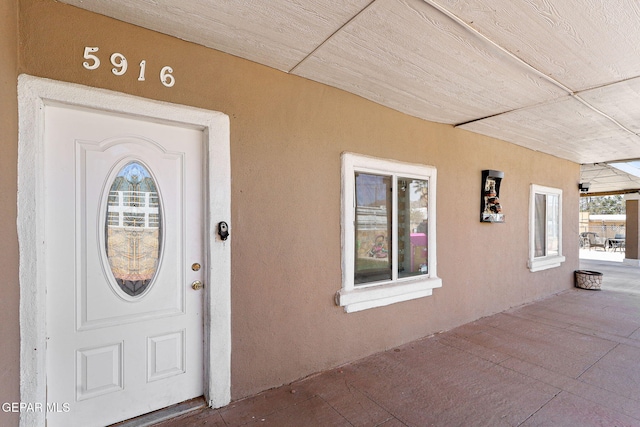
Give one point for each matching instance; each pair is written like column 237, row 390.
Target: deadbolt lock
column 197, row 285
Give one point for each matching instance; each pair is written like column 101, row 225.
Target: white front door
column 124, row 229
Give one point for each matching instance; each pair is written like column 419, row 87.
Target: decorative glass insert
column 133, row 228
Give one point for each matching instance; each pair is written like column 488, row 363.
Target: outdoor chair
column 596, row 242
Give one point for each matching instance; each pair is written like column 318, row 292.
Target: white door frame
column 33, row 95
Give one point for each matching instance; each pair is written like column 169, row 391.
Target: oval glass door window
column 133, row 229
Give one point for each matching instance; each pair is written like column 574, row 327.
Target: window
column 388, row 232
column 545, row 228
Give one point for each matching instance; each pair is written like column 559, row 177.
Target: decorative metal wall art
column 490, row 207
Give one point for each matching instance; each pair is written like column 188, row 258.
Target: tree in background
column 603, row 205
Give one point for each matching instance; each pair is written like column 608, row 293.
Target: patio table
column 617, row 243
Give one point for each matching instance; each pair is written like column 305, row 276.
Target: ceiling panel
column 277, row 33
column 620, row 101
column 566, row 128
column 557, row 77
column 408, row 55
column 580, row 43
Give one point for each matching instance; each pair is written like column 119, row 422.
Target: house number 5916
column 120, row 66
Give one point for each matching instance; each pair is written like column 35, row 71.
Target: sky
column 632, row 168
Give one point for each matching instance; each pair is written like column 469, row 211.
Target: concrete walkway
column 572, row 359
column 617, row 276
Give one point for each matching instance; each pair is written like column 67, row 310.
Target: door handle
column 197, row 285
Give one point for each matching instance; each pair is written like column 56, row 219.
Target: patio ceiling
column 606, row 179
column 562, row 78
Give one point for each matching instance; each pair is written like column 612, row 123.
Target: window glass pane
column 540, row 220
column 553, row 225
column 412, row 227
column 113, row 218
column 132, row 228
column 372, row 228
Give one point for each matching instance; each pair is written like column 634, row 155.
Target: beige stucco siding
column 287, row 134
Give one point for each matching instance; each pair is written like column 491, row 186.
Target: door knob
column 197, row 285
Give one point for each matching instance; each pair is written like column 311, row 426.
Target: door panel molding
column 97, row 242
column 33, row 95
column 155, row 307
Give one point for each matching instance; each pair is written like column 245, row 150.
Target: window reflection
column 553, row 225
column 133, row 228
column 540, row 234
column 547, row 225
column 412, row 227
column 374, row 246
column 373, row 228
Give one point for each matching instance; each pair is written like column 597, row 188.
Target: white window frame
column 543, row 262
column 376, row 294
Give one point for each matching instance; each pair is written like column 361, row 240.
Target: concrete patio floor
column 572, row 359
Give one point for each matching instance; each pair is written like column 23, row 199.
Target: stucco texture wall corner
column 9, row 289
column 287, row 134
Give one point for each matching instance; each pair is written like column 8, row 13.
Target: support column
column 632, row 238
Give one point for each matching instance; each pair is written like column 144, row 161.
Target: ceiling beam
column 293, row 69
column 610, row 193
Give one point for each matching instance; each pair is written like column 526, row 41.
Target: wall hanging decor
column 490, row 207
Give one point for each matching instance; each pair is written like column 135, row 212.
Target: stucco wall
column 287, row 134
column 9, row 289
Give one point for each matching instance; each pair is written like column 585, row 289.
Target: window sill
column 359, row 299
column 540, row 264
